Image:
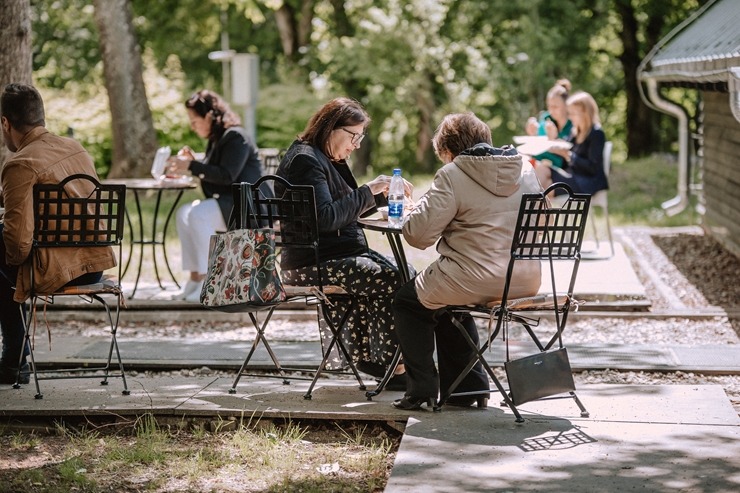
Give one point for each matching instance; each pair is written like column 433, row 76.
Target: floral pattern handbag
column 242, row 271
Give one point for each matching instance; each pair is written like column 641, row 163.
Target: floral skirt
column 372, row 279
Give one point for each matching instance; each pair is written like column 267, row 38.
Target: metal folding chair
column 293, row 216
column 543, row 233
column 63, row 219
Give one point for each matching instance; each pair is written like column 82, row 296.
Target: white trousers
column 196, row 222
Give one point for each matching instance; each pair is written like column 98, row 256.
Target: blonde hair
column 586, row 103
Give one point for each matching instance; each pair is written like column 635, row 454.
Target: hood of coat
column 498, row 170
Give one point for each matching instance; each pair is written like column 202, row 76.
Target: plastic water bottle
column 395, row 200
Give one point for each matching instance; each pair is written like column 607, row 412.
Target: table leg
column 140, row 242
column 154, row 241
column 164, row 235
column 394, row 239
column 131, row 242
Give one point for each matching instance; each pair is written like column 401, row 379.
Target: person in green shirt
column 554, row 122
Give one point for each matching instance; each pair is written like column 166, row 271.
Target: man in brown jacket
column 39, row 157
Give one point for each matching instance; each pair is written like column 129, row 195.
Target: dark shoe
column 397, row 382
column 374, row 369
column 468, row 400
column 409, row 403
column 8, row 374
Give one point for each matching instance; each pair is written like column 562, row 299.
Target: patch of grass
column 638, row 187
column 249, row 456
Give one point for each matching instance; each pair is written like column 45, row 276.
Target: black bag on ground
column 539, row 375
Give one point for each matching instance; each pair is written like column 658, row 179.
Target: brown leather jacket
column 43, row 157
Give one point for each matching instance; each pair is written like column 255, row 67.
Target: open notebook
column 533, row 145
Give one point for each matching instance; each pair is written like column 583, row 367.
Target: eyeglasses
column 356, row 137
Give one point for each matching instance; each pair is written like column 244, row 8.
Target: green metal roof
column 705, row 48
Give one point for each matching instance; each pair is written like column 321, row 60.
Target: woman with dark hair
column 319, row 158
column 230, row 158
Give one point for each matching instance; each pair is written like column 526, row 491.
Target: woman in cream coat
column 471, row 209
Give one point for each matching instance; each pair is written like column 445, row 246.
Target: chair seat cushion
column 297, row 291
column 538, row 302
column 104, row 286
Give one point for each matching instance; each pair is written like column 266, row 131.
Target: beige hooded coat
column 472, row 209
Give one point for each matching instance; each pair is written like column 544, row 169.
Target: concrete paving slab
column 638, row 438
column 195, row 353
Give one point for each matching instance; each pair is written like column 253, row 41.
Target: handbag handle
column 245, row 199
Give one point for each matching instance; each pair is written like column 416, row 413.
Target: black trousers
column 12, row 324
column 417, row 327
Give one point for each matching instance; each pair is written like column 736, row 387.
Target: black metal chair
column 65, row 219
column 293, row 216
column 543, row 233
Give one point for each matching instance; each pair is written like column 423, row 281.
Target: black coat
column 231, row 159
column 586, row 167
column 339, row 203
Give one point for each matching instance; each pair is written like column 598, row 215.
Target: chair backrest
column 545, row 232
column 78, row 212
column 291, row 212
column 270, row 160
column 607, row 156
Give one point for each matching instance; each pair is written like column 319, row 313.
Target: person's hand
column 532, row 126
column 408, row 189
column 380, row 185
column 561, row 151
column 551, row 130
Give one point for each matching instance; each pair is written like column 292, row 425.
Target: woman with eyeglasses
column 319, row 157
column 230, row 158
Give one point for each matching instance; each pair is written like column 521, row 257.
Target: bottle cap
column 396, row 171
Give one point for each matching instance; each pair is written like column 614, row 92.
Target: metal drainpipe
column 733, row 87
column 679, row 202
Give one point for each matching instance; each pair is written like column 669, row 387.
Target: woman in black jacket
column 230, row 158
column 319, row 158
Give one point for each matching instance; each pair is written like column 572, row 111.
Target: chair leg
column 27, row 321
column 335, row 339
column 479, row 352
column 113, row 342
column 259, row 337
column 386, row 378
column 609, row 231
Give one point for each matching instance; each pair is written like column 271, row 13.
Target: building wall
column 721, row 171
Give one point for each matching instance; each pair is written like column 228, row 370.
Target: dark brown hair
column 460, row 131
column 339, row 112
column 22, row 105
column 206, row 102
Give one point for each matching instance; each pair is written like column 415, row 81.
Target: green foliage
column 409, row 62
column 638, row 187
column 282, row 113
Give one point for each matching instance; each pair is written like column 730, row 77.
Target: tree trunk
column 294, row 26
column 640, row 119
column 134, row 139
column 15, row 49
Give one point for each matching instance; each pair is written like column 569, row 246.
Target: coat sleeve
column 17, row 185
column 233, row 149
column 433, row 213
column 333, row 214
column 592, row 160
